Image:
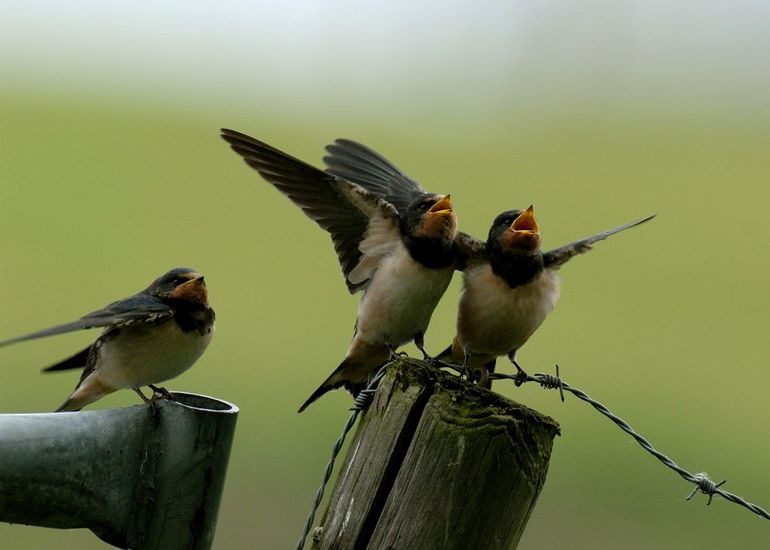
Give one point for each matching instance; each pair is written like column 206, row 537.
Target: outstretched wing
column 351, row 214
column 553, row 259
column 469, row 250
column 140, row 307
column 359, row 164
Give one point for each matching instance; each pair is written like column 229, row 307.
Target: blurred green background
column 112, row 172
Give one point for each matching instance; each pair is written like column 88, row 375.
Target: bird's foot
column 430, row 364
column 471, row 374
column 428, row 371
column 396, row 354
column 160, row 393
column 521, row 375
column 438, row 363
column 482, row 374
column 152, row 402
column 419, row 341
column 144, row 398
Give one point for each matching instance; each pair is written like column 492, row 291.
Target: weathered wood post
column 438, row 463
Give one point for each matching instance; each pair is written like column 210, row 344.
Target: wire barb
column 362, row 402
column 704, row 484
column 702, row 481
column 551, row 382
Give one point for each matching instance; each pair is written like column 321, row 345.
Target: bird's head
column 183, row 284
column 431, row 216
column 515, row 231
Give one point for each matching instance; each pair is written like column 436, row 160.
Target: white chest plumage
column 400, row 299
column 142, row 355
column 494, row 318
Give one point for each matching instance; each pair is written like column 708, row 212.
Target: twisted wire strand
column 701, row 480
column 361, row 403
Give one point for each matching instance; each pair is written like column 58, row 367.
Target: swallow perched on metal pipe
column 400, row 251
column 509, row 287
column 148, row 338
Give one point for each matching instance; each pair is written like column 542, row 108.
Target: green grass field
column 665, row 324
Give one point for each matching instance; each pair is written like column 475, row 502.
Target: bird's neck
column 193, row 316
column 431, row 252
column 516, row 268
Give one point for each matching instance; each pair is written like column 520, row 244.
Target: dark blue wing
column 342, row 208
column 355, row 162
column 553, row 259
column 137, row 307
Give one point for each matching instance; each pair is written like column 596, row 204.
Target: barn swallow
column 509, row 287
column 399, row 252
column 148, row 338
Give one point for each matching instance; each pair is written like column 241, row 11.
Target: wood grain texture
column 438, row 463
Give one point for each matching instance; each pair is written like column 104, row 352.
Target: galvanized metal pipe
column 139, row 477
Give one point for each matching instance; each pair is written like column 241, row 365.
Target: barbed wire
column 360, row 404
column 701, row 480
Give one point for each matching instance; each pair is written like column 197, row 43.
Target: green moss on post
column 438, row 463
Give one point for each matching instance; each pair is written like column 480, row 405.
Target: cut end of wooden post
column 438, row 462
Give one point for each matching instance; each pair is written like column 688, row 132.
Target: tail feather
column 445, row 355
column 77, row 361
column 453, row 353
column 334, row 381
column 88, row 390
column 68, row 406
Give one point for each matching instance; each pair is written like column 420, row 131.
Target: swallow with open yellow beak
column 148, row 338
column 509, row 288
column 399, row 252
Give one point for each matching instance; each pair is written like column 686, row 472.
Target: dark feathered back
column 358, row 163
column 339, row 207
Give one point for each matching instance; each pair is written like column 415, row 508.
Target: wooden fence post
column 438, row 463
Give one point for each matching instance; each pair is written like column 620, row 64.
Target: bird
column 399, row 252
column 148, row 338
column 509, row 288
column 498, row 308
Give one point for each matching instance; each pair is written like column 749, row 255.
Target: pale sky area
column 484, row 53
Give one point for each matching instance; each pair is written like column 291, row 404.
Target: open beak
column 443, row 206
column 193, row 290
column 526, row 222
